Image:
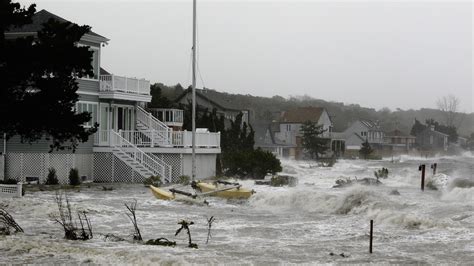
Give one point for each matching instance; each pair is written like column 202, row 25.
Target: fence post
column 371, row 235
column 19, row 189
column 434, row 166
column 422, row 169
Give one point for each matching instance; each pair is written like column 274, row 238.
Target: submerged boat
column 234, row 191
column 219, row 189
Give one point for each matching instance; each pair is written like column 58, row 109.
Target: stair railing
column 153, row 164
column 159, row 129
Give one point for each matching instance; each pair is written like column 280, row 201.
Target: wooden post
column 434, row 166
column 371, row 235
column 422, row 169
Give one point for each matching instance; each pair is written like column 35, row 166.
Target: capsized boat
column 161, row 193
column 224, row 189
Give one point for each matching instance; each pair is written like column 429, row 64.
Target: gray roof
column 41, row 17
column 369, row 124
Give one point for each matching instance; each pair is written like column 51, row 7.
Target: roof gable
column 43, row 16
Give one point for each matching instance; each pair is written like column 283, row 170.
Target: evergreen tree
column 158, row 100
column 38, row 76
column 417, row 128
column 366, row 150
column 313, row 143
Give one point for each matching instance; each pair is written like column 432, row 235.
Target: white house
column 130, row 145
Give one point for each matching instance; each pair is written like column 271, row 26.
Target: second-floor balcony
column 124, row 88
column 171, row 117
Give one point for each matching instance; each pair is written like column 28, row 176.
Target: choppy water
column 302, row 224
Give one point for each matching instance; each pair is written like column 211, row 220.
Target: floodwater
column 302, row 224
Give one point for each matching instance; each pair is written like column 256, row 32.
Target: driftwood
column 133, row 218
column 185, row 225
column 66, row 220
column 8, row 224
column 113, row 238
column 209, row 225
column 161, row 242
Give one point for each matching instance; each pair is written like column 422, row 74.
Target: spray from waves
column 458, row 194
column 461, row 183
column 358, row 201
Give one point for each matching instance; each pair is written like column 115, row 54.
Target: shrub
column 381, row 173
column 9, row 181
column 52, row 179
column 327, row 162
column 184, row 179
column 74, row 179
column 152, row 180
column 251, row 163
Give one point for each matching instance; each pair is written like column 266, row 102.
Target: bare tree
column 133, row 218
column 449, row 105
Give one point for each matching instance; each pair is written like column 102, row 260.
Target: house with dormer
column 130, row 145
column 362, row 130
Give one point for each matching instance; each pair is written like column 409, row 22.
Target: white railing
column 124, row 84
column 11, row 190
column 147, row 138
column 173, row 117
column 162, row 131
column 151, row 138
column 151, row 162
column 203, row 139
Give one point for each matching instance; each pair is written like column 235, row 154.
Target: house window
column 288, row 127
column 88, row 107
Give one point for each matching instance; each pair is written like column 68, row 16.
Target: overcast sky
column 373, row 53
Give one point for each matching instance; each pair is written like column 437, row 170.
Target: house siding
column 14, row 145
column 88, row 98
column 87, row 85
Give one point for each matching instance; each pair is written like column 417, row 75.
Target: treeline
column 265, row 109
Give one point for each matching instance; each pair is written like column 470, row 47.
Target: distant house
column 399, row 141
column 362, row 130
column 204, row 100
column 430, row 139
column 265, row 140
column 287, row 130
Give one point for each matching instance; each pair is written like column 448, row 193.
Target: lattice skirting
column 109, row 168
column 176, row 162
column 21, row 165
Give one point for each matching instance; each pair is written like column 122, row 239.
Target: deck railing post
column 152, row 137
column 113, row 82
column 120, row 139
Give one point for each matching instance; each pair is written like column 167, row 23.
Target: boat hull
column 161, row 193
column 235, row 193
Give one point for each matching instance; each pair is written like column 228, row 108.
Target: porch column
column 110, row 123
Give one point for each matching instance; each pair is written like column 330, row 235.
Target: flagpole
column 193, row 170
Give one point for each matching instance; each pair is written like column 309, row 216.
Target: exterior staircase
column 153, row 128
column 144, row 164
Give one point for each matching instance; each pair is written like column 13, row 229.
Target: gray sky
column 373, row 53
